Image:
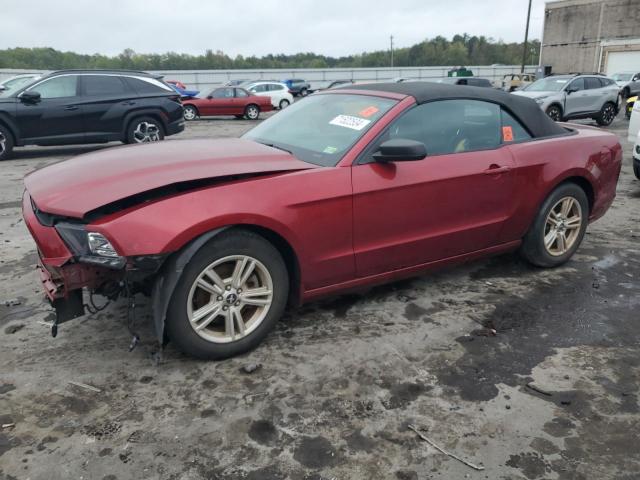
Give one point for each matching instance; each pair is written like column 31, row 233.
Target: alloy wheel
column 3, row 143
column 189, row 113
column 230, row 299
column 252, row 112
column 608, row 114
column 284, row 104
column 146, row 132
column 554, row 114
column 562, row 227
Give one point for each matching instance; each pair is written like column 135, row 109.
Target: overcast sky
column 256, row 27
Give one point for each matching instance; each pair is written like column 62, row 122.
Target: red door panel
column 409, row 213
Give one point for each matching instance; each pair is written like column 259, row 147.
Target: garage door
column 623, row 62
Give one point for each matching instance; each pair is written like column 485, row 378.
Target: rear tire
column 6, row 143
column 223, row 337
column 145, row 130
column 607, row 115
column 542, row 245
column 252, row 112
column 284, row 103
column 554, row 112
column 304, row 92
column 190, row 112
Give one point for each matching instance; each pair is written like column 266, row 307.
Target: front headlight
column 540, row 100
column 89, row 247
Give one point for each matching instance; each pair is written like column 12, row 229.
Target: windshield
column 320, row 129
column 549, row 84
column 13, row 84
column 622, row 77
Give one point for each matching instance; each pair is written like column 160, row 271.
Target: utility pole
column 526, row 39
column 391, row 39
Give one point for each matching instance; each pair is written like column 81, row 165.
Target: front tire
column 190, row 112
column 607, row 114
column 229, row 297
column 145, row 130
column 554, row 112
column 558, row 228
column 6, row 143
column 252, row 112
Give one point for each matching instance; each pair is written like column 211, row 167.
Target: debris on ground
column 531, row 386
column 251, row 367
column 442, row 450
column 8, row 426
column 13, row 302
column 85, row 386
column 484, row 332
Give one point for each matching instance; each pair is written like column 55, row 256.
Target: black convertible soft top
column 523, row 108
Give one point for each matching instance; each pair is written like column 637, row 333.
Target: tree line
column 460, row 50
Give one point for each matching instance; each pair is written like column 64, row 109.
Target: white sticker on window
column 348, row 121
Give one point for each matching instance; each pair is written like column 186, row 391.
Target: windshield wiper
column 273, row 145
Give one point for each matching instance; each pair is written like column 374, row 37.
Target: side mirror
column 209, row 97
column 570, row 90
column 400, row 150
column 30, row 97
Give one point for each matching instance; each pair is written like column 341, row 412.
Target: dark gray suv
column 88, row 106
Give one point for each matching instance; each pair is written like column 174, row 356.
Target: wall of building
column 574, row 31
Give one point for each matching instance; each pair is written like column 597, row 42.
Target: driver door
column 577, row 99
column 454, row 201
column 221, row 102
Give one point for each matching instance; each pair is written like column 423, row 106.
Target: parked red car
column 346, row 189
column 227, row 101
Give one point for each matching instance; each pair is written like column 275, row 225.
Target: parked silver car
column 566, row 97
column 628, row 82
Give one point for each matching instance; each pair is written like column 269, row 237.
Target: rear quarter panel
column 542, row 165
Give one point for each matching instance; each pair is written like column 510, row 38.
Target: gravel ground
column 340, row 380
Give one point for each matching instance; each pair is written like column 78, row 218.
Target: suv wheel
column 230, row 295
column 6, row 143
column 555, row 113
column 252, row 112
column 304, row 92
column 145, row 130
column 607, row 114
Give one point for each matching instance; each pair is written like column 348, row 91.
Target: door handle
column 130, row 102
column 496, row 170
column 71, row 107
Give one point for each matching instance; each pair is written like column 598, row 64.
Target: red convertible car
column 227, row 101
column 349, row 188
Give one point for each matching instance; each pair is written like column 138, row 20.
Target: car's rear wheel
column 252, row 112
column 558, row 228
column 304, row 92
column 607, row 114
column 555, row 113
column 284, row 103
column 145, row 130
column 6, row 143
column 190, row 112
column 230, row 295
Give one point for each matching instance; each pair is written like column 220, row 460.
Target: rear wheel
column 304, row 92
column 230, row 295
column 145, row 130
column 284, row 103
column 190, row 112
column 607, row 114
column 252, row 112
column 6, row 143
column 558, row 228
column 555, row 113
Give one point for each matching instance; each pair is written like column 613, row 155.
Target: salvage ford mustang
column 345, row 189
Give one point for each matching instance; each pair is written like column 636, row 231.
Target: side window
column 148, row 86
column 462, row 81
column 260, row 88
column 274, row 87
column 103, row 85
column 576, row 85
column 241, row 93
column 450, row 126
column 591, row 83
column 223, row 93
column 57, row 87
column 512, row 129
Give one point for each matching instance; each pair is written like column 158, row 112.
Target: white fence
column 318, row 77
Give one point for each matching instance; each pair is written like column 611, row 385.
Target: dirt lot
column 341, row 379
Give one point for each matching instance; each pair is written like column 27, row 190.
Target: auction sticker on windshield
column 348, row 121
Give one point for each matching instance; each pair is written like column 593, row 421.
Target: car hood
column 75, row 187
column 533, row 95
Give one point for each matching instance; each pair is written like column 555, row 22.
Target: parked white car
column 634, row 136
column 279, row 93
column 18, row 81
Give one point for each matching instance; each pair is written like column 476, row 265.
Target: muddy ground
column 341, row 379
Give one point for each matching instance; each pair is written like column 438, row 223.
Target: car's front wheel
column 145, row 130
column 6, row 143
column 230, row 295
column 190, row 112
column 284, row 103
column 607, row 114
column 558, row 228
column 252, row 112
column 555, row 113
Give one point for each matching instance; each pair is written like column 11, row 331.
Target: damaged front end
column 72, row 258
